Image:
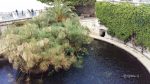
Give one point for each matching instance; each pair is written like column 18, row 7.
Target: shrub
column 38, row 45
column 124, row 20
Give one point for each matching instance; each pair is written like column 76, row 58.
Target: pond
column 105, row 64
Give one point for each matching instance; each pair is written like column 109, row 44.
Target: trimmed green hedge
column 124, row 19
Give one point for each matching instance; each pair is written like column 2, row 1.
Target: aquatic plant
column 39, row 45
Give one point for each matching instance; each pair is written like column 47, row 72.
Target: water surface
column 105, row 64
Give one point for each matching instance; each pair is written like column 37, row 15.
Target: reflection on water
column 105, row 64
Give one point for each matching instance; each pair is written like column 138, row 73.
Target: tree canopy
column 73, row 2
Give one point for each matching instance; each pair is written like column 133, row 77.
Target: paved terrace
column 94, row 27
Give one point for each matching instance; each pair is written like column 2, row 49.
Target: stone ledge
column 140, row 57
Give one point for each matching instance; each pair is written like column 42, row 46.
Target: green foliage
column 60, row 12
column 19, row 23
column 57, row 13
column 39, row 44
column 72, row 2
column 41, row 20
column 123, row 19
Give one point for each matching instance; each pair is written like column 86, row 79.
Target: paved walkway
column 94, row 27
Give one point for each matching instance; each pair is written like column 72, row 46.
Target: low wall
column 140, row 57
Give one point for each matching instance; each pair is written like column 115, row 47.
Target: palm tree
column 60, row 11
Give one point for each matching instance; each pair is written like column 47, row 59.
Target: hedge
column 124, row 19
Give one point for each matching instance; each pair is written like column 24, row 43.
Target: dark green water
column 105, row 64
